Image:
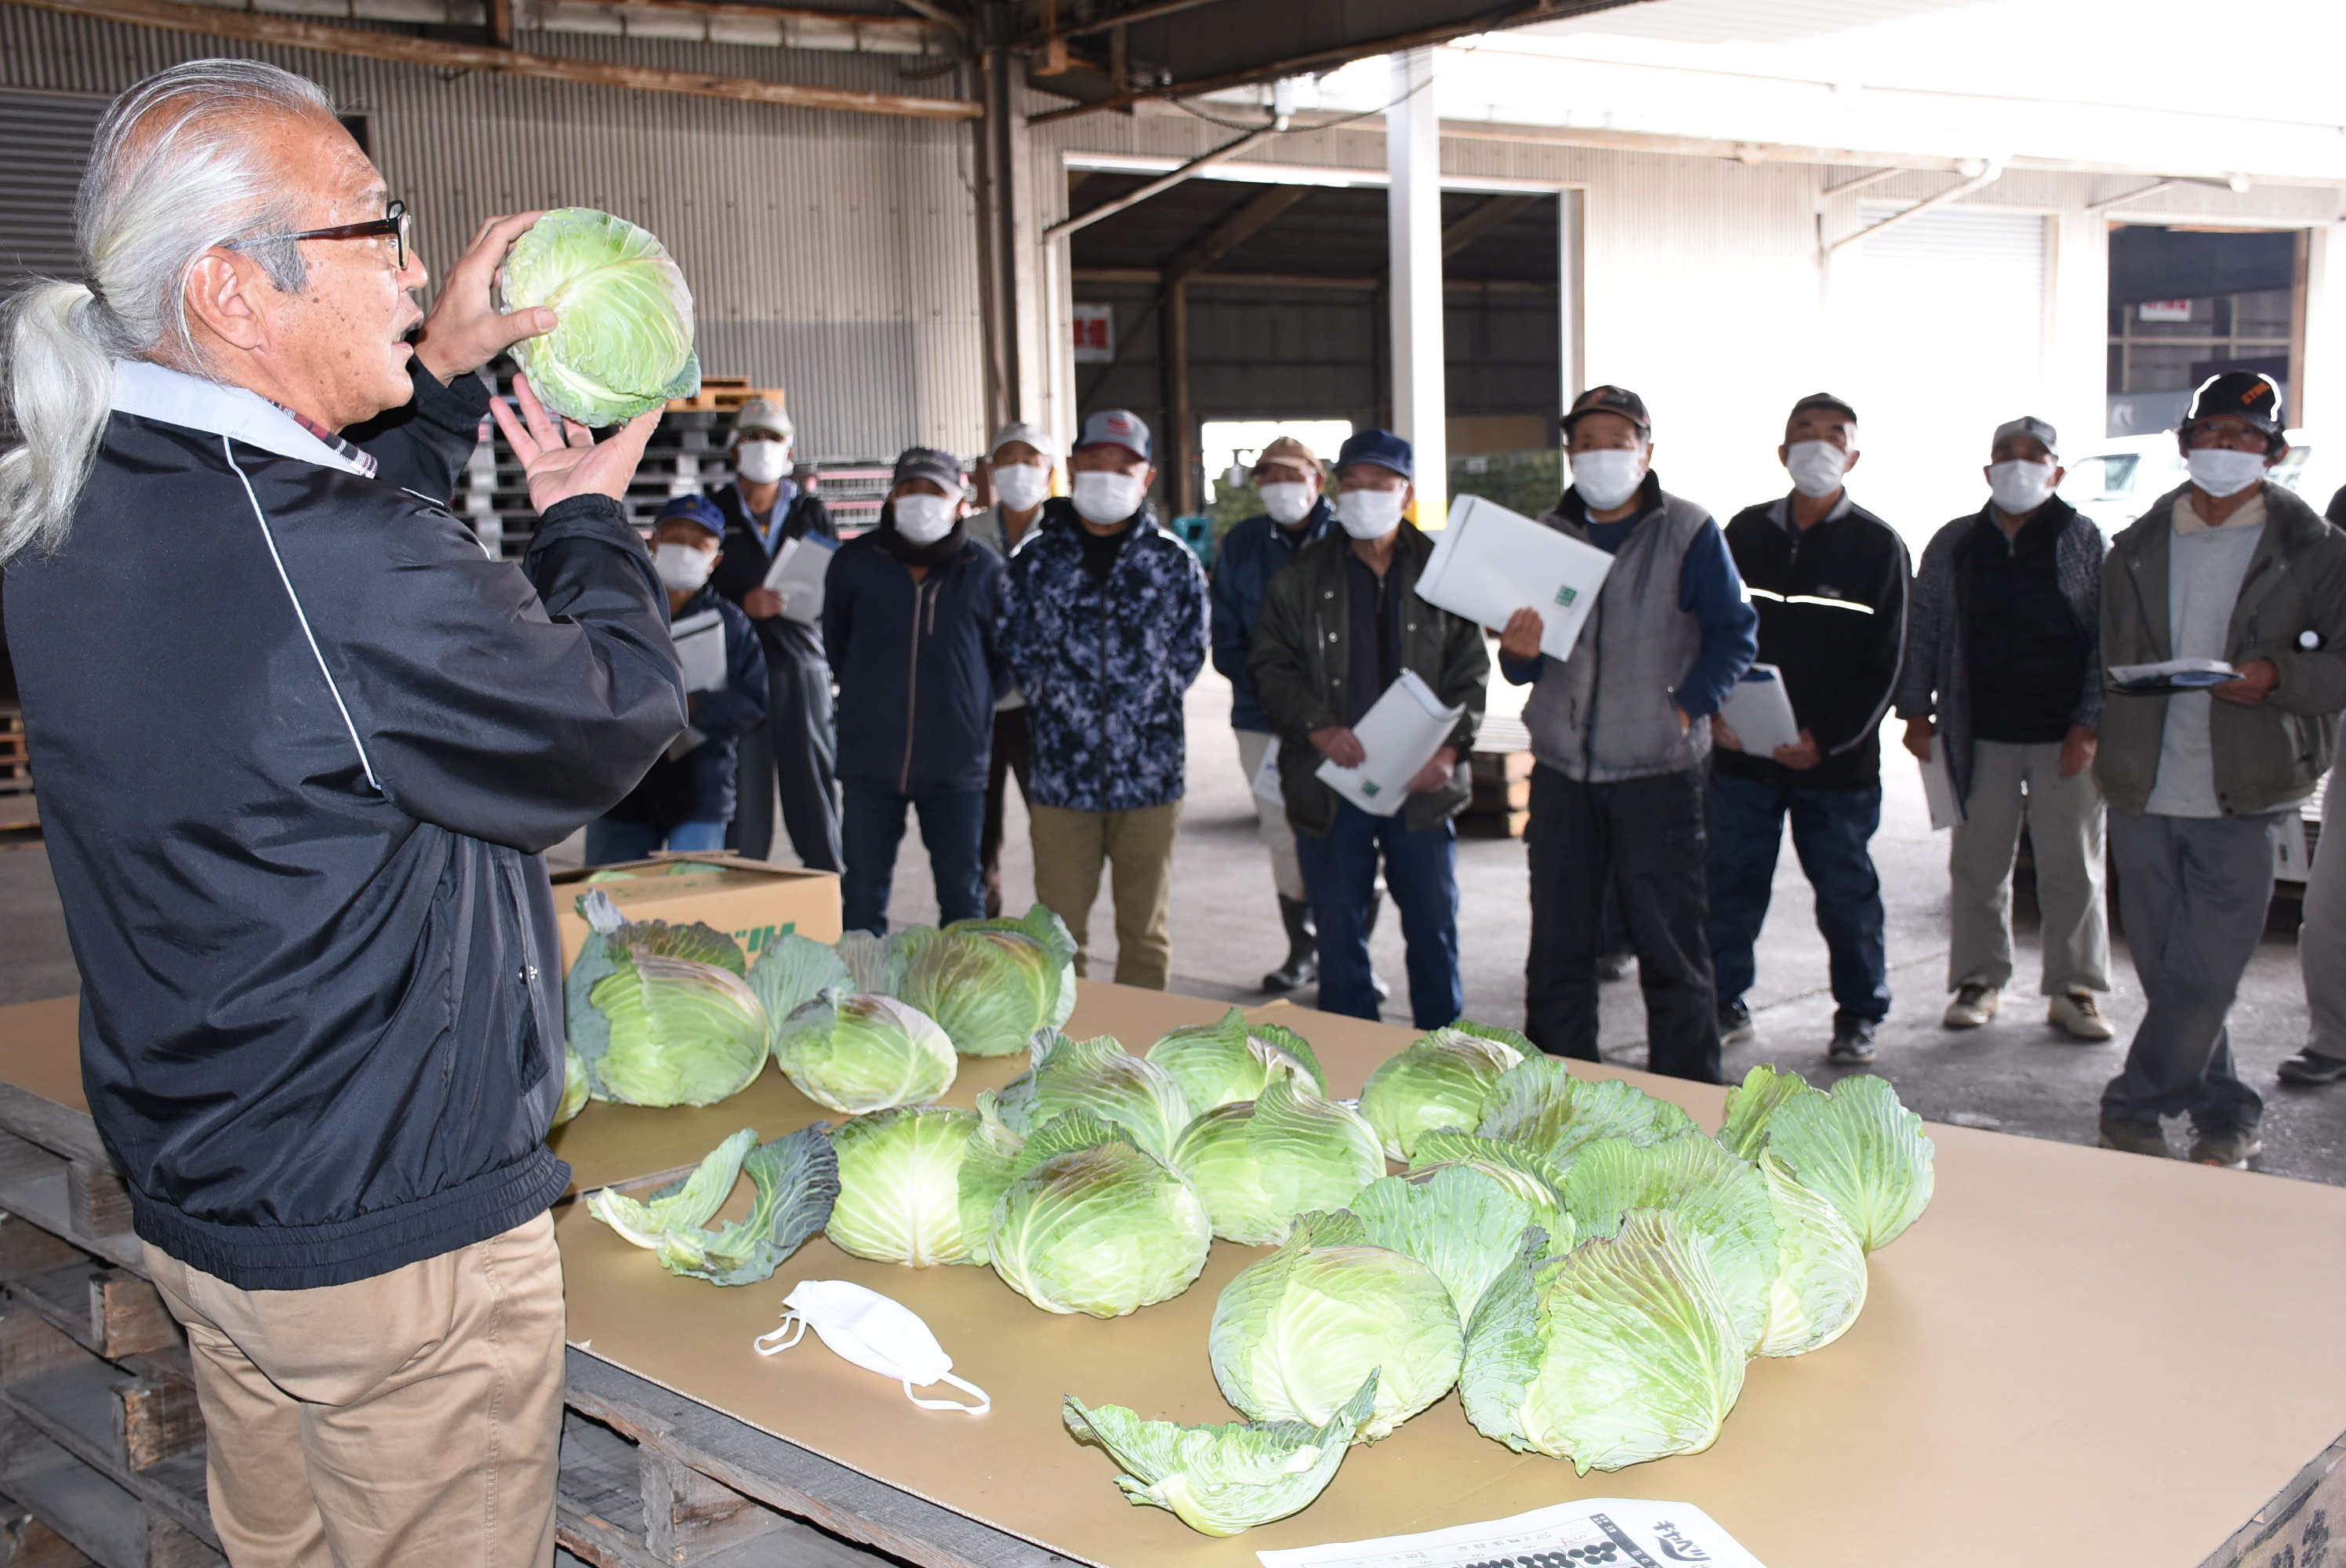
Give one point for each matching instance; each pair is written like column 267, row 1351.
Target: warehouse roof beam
column 687, row 21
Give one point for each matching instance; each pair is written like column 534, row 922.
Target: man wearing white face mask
column 2234, row 569
column 1019, row 465
column 1829, row 580
column 1295, row 513
column 795, row 752
column 2002, row 672
column 1620, row 736
column 687, row 798
column 910, row 615
column 1104, row 626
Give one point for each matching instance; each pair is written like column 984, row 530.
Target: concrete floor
column 2015, row 1075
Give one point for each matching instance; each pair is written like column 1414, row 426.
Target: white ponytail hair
column 175, row 170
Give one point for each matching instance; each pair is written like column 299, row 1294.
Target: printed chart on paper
column 1611, row 1532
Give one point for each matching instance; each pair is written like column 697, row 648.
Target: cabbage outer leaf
column 863, row 1052
column 1465, row 1225
column 1709, row 1190
column 1259, row 1163
column 994, row 1159
column 1862, row 1151
column 1013, row 963
column 1216, row 1063
column 1819, row 1284
column 682, row 1033
column 796, row 1178
column 624, row 345
column 1511, row 1166
column 575, row 1085
column 900, row 1185
column 1617, row 1352
column 1539, row 1105
column 1222, row 1479
column 1098, row 1076
column 793, row 971
column 1763, row 1092
column 1294, row 1335
column 875, row 965
column 1104, row 1229
column 1439, row 1080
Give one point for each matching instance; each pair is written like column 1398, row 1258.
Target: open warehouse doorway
column 1230, row 302
column 2187, row 303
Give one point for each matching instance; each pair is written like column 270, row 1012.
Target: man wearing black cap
column 1619, row 734
column 2237, row 569
column 1829, row 580
column 910, row 613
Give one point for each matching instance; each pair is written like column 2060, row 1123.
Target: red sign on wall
column 1094, row 327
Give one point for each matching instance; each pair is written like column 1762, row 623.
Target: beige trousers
column 1270, row 823
column 2065, row 830
column 1070, row 847
column 411, row 1419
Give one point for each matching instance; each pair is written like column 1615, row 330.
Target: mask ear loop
column 793, row 1326
column 984, row 1404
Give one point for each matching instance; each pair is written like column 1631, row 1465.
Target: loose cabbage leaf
column 1294, row 1335
column 900, row 1185
column 793, row 971
column 1820, row 1282
column 1105, row 1228
column 1709, row 1190
column 1220, row 1480
column 1216, row 1063
column 1259, row 1163
column 862, row 1052
column 1862, row 1151
column 1619, row 1352
column 623, row 343
column 680, row 1032
column 1465, row 1226
column 1539, row 1105
column 1098, row 1076
column 1751, row 1103
column 1439, row 1080
column 797, row 1181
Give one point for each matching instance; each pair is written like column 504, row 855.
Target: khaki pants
column 1070, row 847
column 413, row 1419
column 1270, row 824
column 2065, row 829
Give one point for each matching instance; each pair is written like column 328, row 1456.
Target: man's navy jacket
column 301, row 744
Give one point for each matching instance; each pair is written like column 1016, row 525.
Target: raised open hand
column 562, row 458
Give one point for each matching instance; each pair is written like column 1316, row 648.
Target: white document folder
column 1939, row 787
column 700, row 649
column 1759, row 712
column 796, row 573
column 1401, row 733
column 1489, row 562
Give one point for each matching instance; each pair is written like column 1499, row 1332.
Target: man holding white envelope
column 1346, row 651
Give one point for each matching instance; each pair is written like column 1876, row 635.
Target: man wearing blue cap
column 1341, row 624
column 1103, row 628
column 688, row 798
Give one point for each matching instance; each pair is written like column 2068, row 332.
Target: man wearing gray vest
column 1615, row 730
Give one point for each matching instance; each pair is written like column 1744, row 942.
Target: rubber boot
column 1376, row 980
column 1302, row 965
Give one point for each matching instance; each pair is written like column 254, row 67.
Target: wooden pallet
column 1502, row 782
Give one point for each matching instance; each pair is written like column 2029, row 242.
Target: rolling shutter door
column 43, row 146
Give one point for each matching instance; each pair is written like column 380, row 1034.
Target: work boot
column 1734, row 1025
column 2311, row 1066
column 1973, row 1005
column 2135, row 1140
column 2077, row 1012
column 2233, row 1148
column 1302, row 965
column 1852, row 1043
column 1376, row 981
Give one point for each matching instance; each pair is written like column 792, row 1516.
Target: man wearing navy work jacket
column 300, row 749
column 1829, row 580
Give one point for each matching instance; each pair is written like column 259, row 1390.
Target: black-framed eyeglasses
column 396, row 225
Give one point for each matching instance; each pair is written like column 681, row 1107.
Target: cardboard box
column 749, row 900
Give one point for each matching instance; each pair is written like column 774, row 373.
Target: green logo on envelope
column 1565, row 595
column 1368, row 787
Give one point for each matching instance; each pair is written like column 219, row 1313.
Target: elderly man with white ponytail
column 302, row 745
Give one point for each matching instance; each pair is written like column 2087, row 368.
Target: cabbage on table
column 1856, row 1146
column 1820, row 1282
column 860, row 1053
column 900, row 1185
column 1708, row 1190
column 623, row 343
column 1085, row 1221
column 657, row 1014
column 1099, row 1076
column 1527, row 1175
column 1465, row 1225
column 793, row 971
column 1540, row 1106
column 1259, row 1163
column 1439, row 1080
column 1222, row 1479
column 1216, row 1063
column 990, row 984
column 796, row 1178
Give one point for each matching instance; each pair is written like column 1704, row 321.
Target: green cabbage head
column 575, row 1086
column 1216, row 1063
column 1540, row 1106
column 793, row 971
column 1259, row 1163
column 862, row 1052
column 1518, row 1169
column 677, row 1032
column 1465, row 1225
column 900, row 1185
column 1708, row 1190
column 624, row 344
column 1294, row 1335
column 1097, row 1076
column 1222, row 1479
column 1820, row 1282
column 992, row 984
column 1856, row 1146
column 796, row 1178
column 1092, row 1223
column 1439, row 1080
column 1619, row 1351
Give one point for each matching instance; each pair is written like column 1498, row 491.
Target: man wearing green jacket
column 1340, row 624
column 2234, row 568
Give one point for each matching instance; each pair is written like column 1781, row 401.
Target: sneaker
column 2077, row 1012
column 1852, row 1043
column 1613, row 966
column 2135, row 1140
column 2232, row 1149
column 1973, row 1005
column 2311, row 1066
column 1734, row 1025
column 1377, row 984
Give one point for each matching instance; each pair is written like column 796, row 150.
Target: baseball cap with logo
column 1612, row 399
column 2035, row 429
column 763, row 415
column 695, row 509
column 1116, row 427
column 2244, row 395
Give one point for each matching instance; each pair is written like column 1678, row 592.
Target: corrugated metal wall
column 832, row 254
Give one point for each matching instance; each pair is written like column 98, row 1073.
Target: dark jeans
column 874, row 824
column 1014, row 752
column 2193, row 894
column 1422, row 875
column 1646, row 835
column 1830, row 829
column 610, row 843
column 796, row 749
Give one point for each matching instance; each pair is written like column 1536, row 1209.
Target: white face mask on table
column 1288, row 501
column 1816, row 467
column 762, row 462
column 683, row 568
column 1370, row 514
column 1606, row 479
column 1103, row 495
column 1022, row 487
column 874, row 1331
column 2220, row 471
column 2019, row 486
column 923, row 519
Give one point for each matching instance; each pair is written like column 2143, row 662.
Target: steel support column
column 1414, row 209
column 1008, row 258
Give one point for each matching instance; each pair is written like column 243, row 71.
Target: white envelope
column 1489, row 562
column 1759, row 712
column 1939, row 789
column 796, row 573
column 700, row 649
column 1401, row 733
